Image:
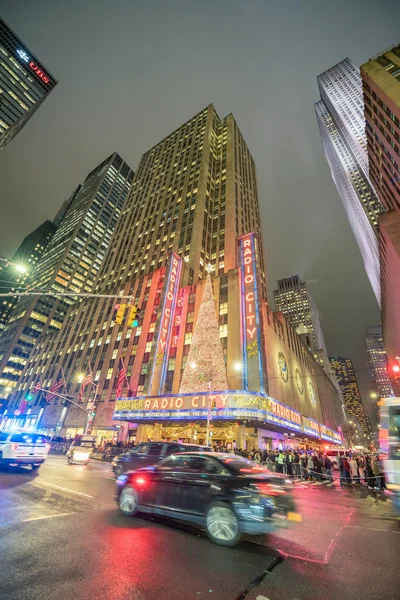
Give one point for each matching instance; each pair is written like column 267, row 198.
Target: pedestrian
column 317, row 466
column 280, row 460
column 346, row 469
column 310, row 467
column 376, row 471
column 288, row 461
column 327, row 463
column 303, row 467
column 354, row 470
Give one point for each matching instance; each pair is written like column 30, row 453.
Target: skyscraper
column 373, row 340
column 192, row 209
column 381, row 87
column 342, row 128
column 28, row 254
column 294, row 300
column 347, row 380
column 70, row 265
column 25, row 83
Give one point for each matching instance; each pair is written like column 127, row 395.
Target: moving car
column 149, row 453
column 332, row 455
column 227, row 494
column 23, row 448
column 81, row 449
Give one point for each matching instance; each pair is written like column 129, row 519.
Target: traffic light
column 213, row 403
column 119, row 313
column 29, row 397
column 396, row 372
column 133, row 316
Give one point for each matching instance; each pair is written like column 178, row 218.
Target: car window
column 154, row 449
column 176, row 461
column 28, row 438
column 173, row 448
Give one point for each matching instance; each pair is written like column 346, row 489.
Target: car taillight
column 141, row 481
column 14, row 446
column 269, row 489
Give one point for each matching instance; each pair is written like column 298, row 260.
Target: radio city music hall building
column 193, row 202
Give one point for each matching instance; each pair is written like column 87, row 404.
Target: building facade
column 25, row 84
column 341, row 123
column 193, row 199
column 373, row 340
column 70, row 265
column 294, row 300
column 28, row 254
column 347, row 380
column 381, row 88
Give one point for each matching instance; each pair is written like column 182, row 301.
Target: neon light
column 250, row 315
column 160, row 363
column 26, row 58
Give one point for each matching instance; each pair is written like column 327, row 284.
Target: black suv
column 150, row 453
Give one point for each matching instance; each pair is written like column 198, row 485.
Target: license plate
column 294, row 517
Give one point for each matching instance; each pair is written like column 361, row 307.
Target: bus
column 389, row 442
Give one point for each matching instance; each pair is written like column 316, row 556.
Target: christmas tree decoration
column 205, row 367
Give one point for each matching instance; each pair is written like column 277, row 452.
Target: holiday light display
column 205, row 368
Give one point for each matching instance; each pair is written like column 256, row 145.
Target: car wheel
column 118, row 470
column 128, row 501
column 222, row 524
column 35, row 467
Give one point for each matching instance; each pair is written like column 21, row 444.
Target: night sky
column 131, row 71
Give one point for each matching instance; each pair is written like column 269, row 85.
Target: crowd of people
column 354, row 468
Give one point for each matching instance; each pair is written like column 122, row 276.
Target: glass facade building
column 342, row 127
column 70, row 265
column 373, row 340
column 24, row 84
column 347, row 380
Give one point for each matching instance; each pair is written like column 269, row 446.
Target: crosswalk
column 325, row 483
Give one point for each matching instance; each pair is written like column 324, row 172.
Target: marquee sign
column 310, row 427
column 252, row 350
column 171, row 288
column 228, row 405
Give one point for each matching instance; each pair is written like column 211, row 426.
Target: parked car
column 150, row 453
column 332, row 455
column 227, row 494
column 23, row 448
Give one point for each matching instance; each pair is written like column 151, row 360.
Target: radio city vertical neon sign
column 171, row 288
column 26, row 58
column 252, row 350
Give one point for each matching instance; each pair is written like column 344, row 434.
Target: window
column 154, row 449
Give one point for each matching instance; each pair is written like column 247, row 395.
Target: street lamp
column 373, row 395
column 19, row 267
column 237, row 366
column 80, row 377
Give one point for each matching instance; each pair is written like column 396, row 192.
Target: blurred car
column 227, row 494
column 80, row 450
column 23, row 448
column 149, row 453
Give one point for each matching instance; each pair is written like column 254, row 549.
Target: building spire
column 205, row 368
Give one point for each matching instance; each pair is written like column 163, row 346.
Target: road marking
column 47, row 517
column 58, row 487
column 373, row 529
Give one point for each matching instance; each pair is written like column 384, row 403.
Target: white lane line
column 372, row 529
column 47, row 517
column 58, row 487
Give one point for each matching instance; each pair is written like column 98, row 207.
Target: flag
column 57, row 385
column 121, row 379
column 88, row 379
column 37, row 387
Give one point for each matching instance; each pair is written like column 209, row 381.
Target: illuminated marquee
column 250, row 315
column 326, row 434
column 310, row 427
column 165, row 327
column 26, row 58
column 228, row 405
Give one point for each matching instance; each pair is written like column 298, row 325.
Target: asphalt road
column 62, row 537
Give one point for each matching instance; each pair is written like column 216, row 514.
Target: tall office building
column 347, row 380
column 24, row 84
column 294, row 300
column 342, row 128
column 193, row 198
column 28, row 254
column 373, row 340
column 70, row 264
column 381, row 87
